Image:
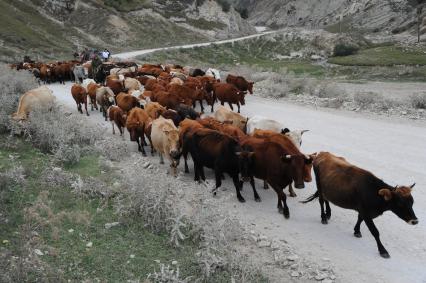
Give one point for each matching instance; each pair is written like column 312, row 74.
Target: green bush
column 343, row 49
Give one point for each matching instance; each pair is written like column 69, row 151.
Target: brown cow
column 117, row 116
column 126, row 101
column 186, row 128
column 351, row 187
column 285, row 142
column 154, row 109
column 91, row 92
column 275, row 164
column 46, row 74
column 228, row 93
column 185, row 93
column 116, row 86
column 137, row 125
column 105, row 98
column 80, row 96
column 167, row 100
column 240, row 82
column 224, row 128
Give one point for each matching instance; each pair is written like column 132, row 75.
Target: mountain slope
column 365, row 15
column 55, row 29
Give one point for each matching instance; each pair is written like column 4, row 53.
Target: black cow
column 212, row 149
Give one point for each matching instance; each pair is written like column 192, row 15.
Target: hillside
column 55, row 29
column 392, row 16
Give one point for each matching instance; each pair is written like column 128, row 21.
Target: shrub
column 12, row 85
column 53, row 131
column 418, row 100
column 343, row 49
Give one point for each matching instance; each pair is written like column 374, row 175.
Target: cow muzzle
column 175, row 155
column 413, row 221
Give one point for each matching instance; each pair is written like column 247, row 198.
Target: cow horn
column 412, row 186
column 288, row 156
column 303, row 131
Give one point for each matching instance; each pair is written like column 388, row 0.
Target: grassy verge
column 61, row 224
column 384, row 56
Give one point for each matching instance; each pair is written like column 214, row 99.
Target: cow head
column 245, row 164
column 297, row 163
column 250, row 87
column 174, row 145
column 400, row 201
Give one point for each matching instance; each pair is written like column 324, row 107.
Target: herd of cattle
column 157, row 103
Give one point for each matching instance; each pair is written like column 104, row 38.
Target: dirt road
column 393, row 150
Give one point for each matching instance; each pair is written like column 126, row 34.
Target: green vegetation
column 260, row 54
column 127, row 5
column 342, row 49
column 61, row 223
column 383, row 56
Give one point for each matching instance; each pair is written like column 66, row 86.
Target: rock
column 263, row 237
column 316, row 57
column 38, row 252
column 110, row 225
column 146, row 165
column 275, row 246
column 404, row 112
column 321, row 276
column 89, row 244
column 264, row 244
column 292, row 257
column 157, row 261
column 294, row 274
column 71, row 231
column 5, row 242
column 174, row 262
column 132, row 256
column 325, row 259
column 332, row 277
column 324, row 268
column 253, row 238
column 294, row 266
column 327, row 281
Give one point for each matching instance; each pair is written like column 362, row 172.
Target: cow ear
column 285, row 131
column 386, row 194
column 286, row 158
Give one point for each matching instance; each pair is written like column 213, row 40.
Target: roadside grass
column 124, row 252
column 383, row 56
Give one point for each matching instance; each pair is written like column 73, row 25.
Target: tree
column 418, row 4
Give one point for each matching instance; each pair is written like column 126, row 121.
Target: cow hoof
column 257, row 200
column 241, row 199
column 293, row 195
column 144, row 154
column 328, row 216
column 186, row 171
column 358, row 234
column 324, row 221
column 214, row 193
column 280, row 210
column 287, row 215
column 385, row 255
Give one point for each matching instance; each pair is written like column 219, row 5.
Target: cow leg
column 265, row 185
column 212, row 107
column 113, row 129
column 291, row 191
column 237, row 188
column 201, row 105
column 218, row 177
column 256, row 195
column 142, row 146
column 230, row 105
column 327, row 209
column 222, row 103
column 238, row 104
column 196, row 172
column 357, row 228
column 323, row 215
column 161, row 158
column 139, row 145
column 282, row 201
column 85, row 106
column 185, row 158
column 370, row 224
column 203, row 176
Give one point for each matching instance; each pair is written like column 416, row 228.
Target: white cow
column 263, row 123
column 38, row 97
column 213, row 73
column 224, row 114
column 86, row 83
column 165, row 140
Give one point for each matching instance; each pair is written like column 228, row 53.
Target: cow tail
column 311, row 198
